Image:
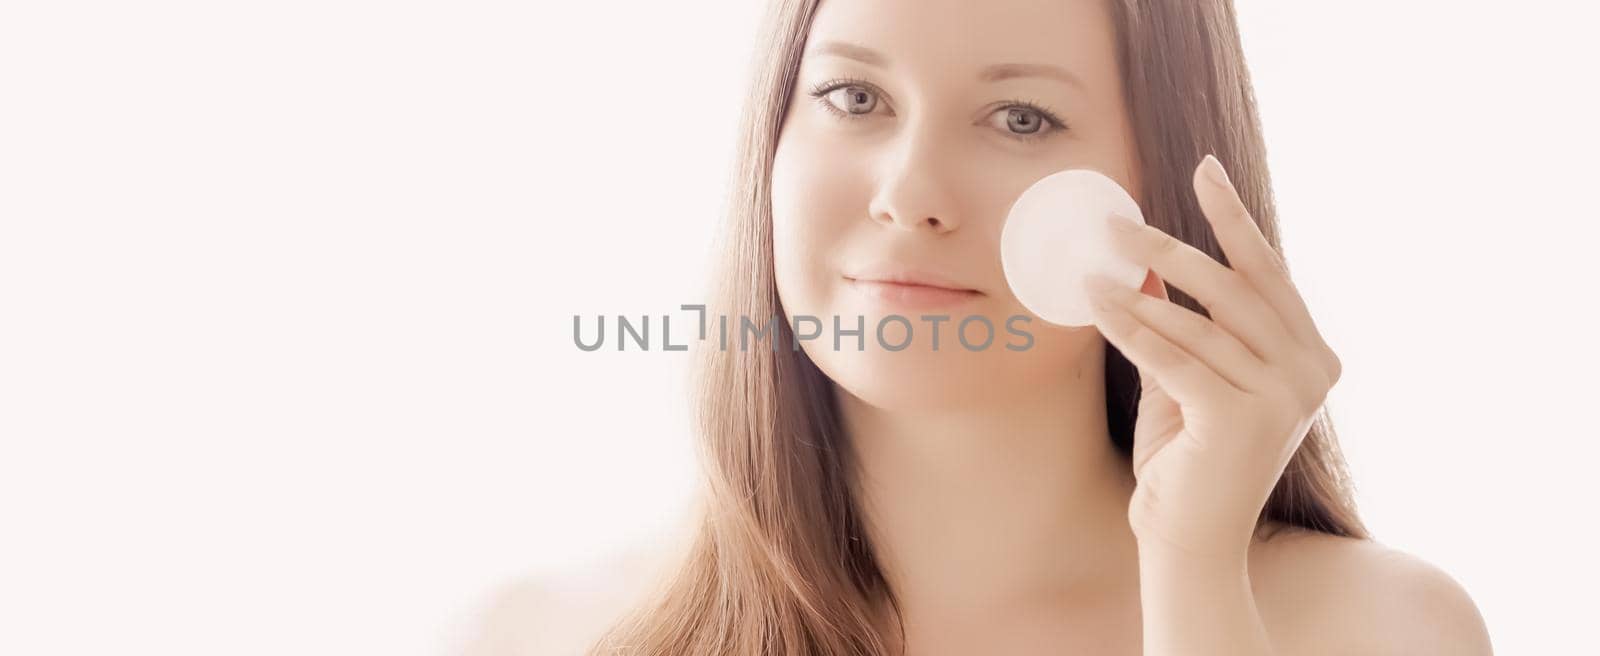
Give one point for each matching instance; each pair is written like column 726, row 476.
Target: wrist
column 1218, row 561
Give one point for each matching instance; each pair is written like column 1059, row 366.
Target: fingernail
column 1121, row 223
column 1215, row 172
column 1100, row 292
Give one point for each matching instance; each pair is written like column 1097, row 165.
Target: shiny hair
column 778, row 562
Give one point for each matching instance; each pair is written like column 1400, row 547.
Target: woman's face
column 913, row 126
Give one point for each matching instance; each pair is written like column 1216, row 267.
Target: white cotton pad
column 1055, row 234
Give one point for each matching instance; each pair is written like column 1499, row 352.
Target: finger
column 1151, row 395
column 1250, row 254
column 1231, row 301
column 1188, row 330
column 1185, row 378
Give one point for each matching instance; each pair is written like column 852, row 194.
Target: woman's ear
column 1154, row 285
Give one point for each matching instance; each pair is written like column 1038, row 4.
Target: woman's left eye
column 1028, row 122
column 1023, row 120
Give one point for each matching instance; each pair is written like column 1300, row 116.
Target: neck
column 995, row 507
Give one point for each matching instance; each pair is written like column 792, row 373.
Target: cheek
column 821, row 189
column 817, row 203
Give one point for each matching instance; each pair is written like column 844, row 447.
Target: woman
column 1162, row 482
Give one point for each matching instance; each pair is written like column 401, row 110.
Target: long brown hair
column 778, row 562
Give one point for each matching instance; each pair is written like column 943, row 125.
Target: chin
column 919, row 378
column 916, row 378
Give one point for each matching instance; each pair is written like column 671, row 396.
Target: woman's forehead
column 1036, row 27
column 988, row 40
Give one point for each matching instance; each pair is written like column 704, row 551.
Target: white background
column 286, row 293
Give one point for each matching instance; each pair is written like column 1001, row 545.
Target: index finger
column 1250, row 254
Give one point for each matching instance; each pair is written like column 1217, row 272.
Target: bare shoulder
column 1325, row 594
column 564, row 613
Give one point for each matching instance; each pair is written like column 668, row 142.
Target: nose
column 914, row 193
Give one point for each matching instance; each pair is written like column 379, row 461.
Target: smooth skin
column 1000, row 513
column 1226, row 402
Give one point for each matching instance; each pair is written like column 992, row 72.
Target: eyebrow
column 991, row 73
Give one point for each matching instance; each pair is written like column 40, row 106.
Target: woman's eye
column 850, row 99
column 1023, row 120
column 1029, row 123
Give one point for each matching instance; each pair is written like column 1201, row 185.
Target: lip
column 911, row 288
column 908, row 276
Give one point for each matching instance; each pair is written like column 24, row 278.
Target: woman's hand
column 1227, row 400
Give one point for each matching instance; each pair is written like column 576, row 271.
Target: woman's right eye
column 846, row 99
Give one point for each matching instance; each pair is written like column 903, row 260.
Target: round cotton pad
column 1055, row 235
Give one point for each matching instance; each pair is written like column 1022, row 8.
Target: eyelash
column 821, row 91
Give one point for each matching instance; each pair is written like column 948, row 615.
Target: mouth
column 904, row 292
